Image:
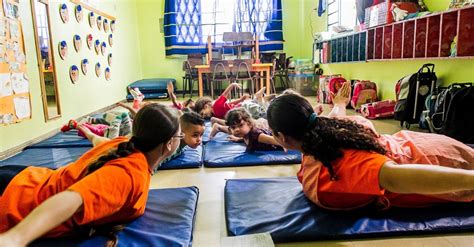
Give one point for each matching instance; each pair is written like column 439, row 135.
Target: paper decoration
column 89, row 41
column 79, row 13
column 74, row 74
column 99, row 23
column 6, row 118
column 98, row 72
column 112, row 26
column 109, row 59
column 103, row 48
column 111, row 40
column 97, row 46
column 14, row 30
column 77, row 42
column 63, row 12
column 3, row 28
column 106, row 25
column 92, row 19
column 5, row 85
column 107, row 74
column 62, row 49
column 11, row 9
column 22, row 107
column 84, row 66
column 19, row 83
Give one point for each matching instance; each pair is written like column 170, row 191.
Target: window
column 341, row 13
column 188, row 23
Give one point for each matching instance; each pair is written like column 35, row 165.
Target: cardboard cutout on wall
column 107, row 74
column 64, row 12
column 97, row 46
column 79, row 13
column 89, row 41
column 112, row 26
column 62, row 46
column 111, row 40
column 106, row 25
column 99, row 23
column 84, row 66
column 92, row 19
column 98, row 72
column 74, row 74
column 77, row 42
column 103, row 48
column 109, row 59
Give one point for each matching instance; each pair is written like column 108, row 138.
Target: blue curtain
column 322, row 7
column 183, row 25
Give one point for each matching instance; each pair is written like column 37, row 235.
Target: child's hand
column 214, row 130
column 245, row 97
column 234, row 138
column 318, row 109
column 214, row 120
column 235, row 85
column 343, row 95
column 170, row 88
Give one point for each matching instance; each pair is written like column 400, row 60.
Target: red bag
column 334, row 85
column 324, row 96
column 380, row 109
column 362, row 93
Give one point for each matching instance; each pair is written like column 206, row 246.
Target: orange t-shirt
column 116, row 192
column 358, row 184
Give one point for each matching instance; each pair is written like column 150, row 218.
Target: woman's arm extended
column 424, row 179
column 48, row 215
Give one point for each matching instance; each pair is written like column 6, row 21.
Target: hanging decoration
column 97, row 46
column 99, row 23
column 79, row 13
column 109, row 59
column 84, row 66
column 62, row 46
column 106, row 25
column 63, row 12
column 77, row 42
column 107, row 74
column 91, row 19
column 74, row 74
column 89, row 41
column 112, row 26
column 97, row 69
column 111, row 41
column 103, row 48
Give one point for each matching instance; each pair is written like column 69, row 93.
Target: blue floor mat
column 222, row 153
column 207, row 131
column 46, row 157
column 63, row 140
column 278, row 206
column 191, row 158
column 168, row 221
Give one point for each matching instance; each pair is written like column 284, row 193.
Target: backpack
column 453, row 115
column 411, row 92
column 363, row 92
column 334, row 85
column 380, row 109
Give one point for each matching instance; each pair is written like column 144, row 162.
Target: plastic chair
column 246, row 41
column 282, row 65
column 220, row 70
column 242, row 71
column 191, row 74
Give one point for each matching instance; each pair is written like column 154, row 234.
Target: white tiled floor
column 210, row 222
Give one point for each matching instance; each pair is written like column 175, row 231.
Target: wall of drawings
column 14, row 86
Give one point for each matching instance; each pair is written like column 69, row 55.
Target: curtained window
column 188, row 23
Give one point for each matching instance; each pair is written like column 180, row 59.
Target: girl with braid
column 346, row 167
column 107, row 186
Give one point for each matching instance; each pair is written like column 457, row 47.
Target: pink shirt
column 221, row 107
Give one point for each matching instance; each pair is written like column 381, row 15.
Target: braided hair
column 153, row 125
column 323, row 138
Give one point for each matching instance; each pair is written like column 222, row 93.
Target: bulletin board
column 15, row 103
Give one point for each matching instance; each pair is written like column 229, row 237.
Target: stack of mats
column 152, row 88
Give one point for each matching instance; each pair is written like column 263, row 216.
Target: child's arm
column 43, row 218
column 133, row 112
column 170, row 89
column 340, row 101
column 424, row 179
column 233, row 138
column 241, row 99
column 217, row 120
column 216, row 128
column 229, row 88
column 267, row 139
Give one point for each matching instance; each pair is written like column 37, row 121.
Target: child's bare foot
column 170, row 88
column 259, row 94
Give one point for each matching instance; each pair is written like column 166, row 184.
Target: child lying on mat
column 345, row 166
column 207, row 109
column 105, row 188
column 241, row 127
column 192, row 127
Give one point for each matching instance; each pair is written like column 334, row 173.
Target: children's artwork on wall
column 89, row 41
column 109, row 59
column 112, row 26
column 103, row 48
column 62, row 49
column 63, row 12
column 79, row 13
column 91, row 19
column 107, row 74
column 111, row 40
column 106, row 25
column 97, row 46
column 74, row 74
column 14, row 30
column 15, row 102
column 10, row 9
column 84, row 66
column 77, row 42
column 99, row 23
column 98, row 72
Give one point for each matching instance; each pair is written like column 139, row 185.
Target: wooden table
column 256, row 67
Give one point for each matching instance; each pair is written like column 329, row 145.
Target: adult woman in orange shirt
column 108, row 185
column 345, row 167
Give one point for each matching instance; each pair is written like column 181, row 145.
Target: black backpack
column 453, row 114
column 411, row 93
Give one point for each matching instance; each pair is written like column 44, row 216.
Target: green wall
column 386, row 74
column 89, row 93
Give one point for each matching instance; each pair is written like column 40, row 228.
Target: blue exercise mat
column 278, row 206
column 46, row 157
column 190, row 158
column 168, row 221
column 63, row 140
column 152, row 88
column 207, row 131
column 219, row 152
